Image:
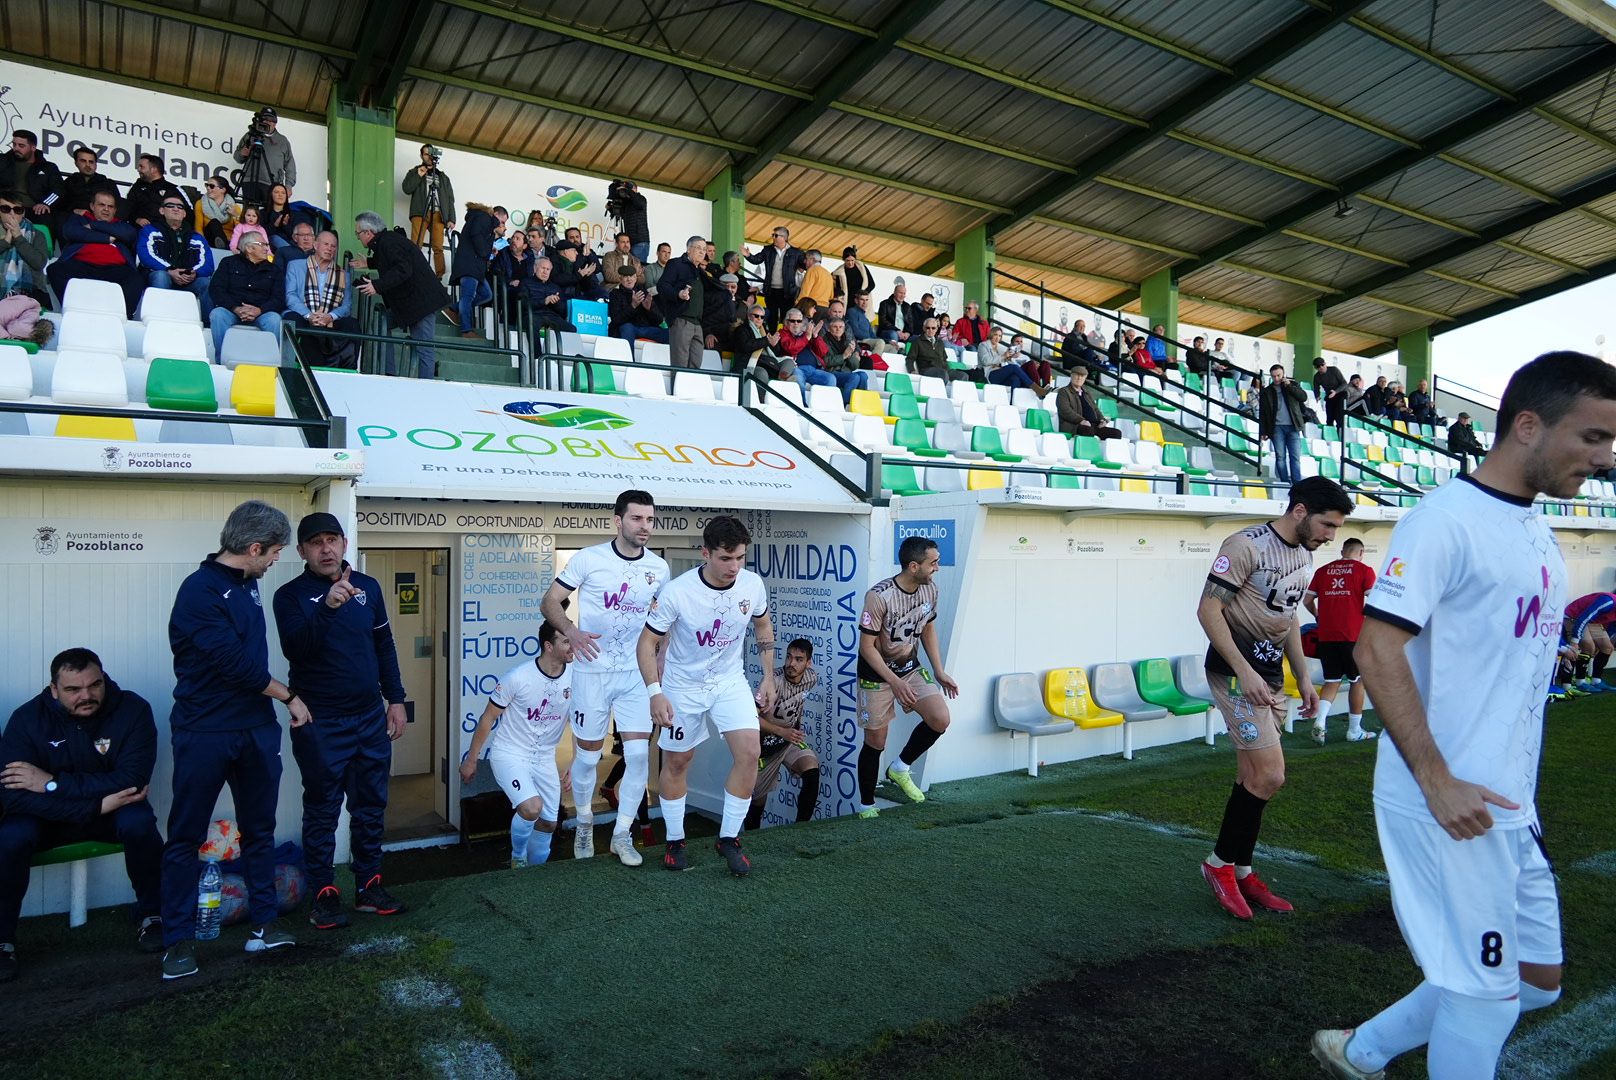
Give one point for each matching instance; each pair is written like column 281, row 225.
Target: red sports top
column 1341, row 587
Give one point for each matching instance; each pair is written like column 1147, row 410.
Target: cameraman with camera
column 432, row 202
column 626, row 205
column 266, row 158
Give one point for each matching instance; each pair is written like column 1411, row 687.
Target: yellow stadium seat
column 116, row 428
column 1133, row 483
column 1066, row 693
column 1400, row 426
column 1375, row 453
column 252, row 390
column 1291, row 689
column 866, row 403
column 1254, row 491
column 984, row 480
column 1364, row 500
column 1151, row 431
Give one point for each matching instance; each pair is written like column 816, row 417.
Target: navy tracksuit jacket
column 224, row 732
column 343, row 663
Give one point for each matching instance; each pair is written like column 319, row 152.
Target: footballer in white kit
column 1458, row 647
column 614, row 585
column 521, row 725
column 702, row 617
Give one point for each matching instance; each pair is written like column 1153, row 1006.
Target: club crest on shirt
column 1220, row 565
column 650, row 578
column 361, row 597
column 566, row 692
column 867, row 621
column 102, row 746
column 1248, row 731
column 253, row 592
column 746, row 606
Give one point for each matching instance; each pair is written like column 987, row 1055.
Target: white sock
column 521, row 829
column 1400, row 1027
column 1535, row 997
column 1355, row 722
column 1214, row 862
column 735, row 808
column 1241, row 872
column 899, row 765
column 673, row 817
column 583, row 784
column 866, row 806
column 538, row 847
column 631, row 789
column 1468, row 1034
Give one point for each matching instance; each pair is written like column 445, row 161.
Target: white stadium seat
column 89, row 378
column 172, row 305
column 16, row 375
column 250, row 345
column 963, row 390
column 1006, row 417
column 92, row 332
column 643, row 382
column 693, row 386
column 994, row 394
column 94, row 297
column 652, row 352
column 608, row 348
column 175, row 341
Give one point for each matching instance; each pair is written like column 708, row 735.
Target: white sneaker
column 1330, row 1050
column 1318, row 734
column 1360, row 735
column 623, row 848
column 583, row 841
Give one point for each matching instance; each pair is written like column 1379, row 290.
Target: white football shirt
column 537, row 710
column 706, row 628
column 1477, row 577
column 614, row 596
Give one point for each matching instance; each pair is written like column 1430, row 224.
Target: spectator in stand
column 1280, row 418
column 22, row 251
column 247, row 290
column 20, row 321
column 279, row 219
column 1396, row 402
column 852, row 277
column 79, row 186
column 970, row 329
column 266, row 158
column 75, row 765
column 97, row 245
column 998, row 365
column 1196, row 358
column 653, row 270
column 842, row 354
column 1375, row 398
column 470, row 266
column 817, row 283
column 895, row 315
column 219, row 212
column 406, row 284
column 432, row 203
column 302, row 241
column 631, row 311
column 145, row 197
column 1076, row 348
column 1354, row 402
column 1078, row 412
column 632, row 218
column 1158, row 347
column 717, row 304
column 804, row 344
column 319, row 294
column 174, row 256
column 780, row 262
column 249, row 225
column 682, row 295
column 1039, row 371
column 1120, row 351
column 620, row 260
column 1462, row 441
column 28, row 170
column 927, row 355
column 927, row 309
column 1330, row 387
column 1224, row 365
column 577, row 269
column 515, row 263
column 753, row 339
column 545, row 298
column 858, row 322
column 1143, row 357
column 1421, row 409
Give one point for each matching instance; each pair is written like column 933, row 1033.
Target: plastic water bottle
column 209, row 895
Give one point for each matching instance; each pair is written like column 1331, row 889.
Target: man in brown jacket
column 1078, row 411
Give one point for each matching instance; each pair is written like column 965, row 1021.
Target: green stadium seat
column 1018, row 707
column 1330, row 468
column 1108, row 408
column 903, row 407
column 1065, row 480
column 1195, row 382
column 76, row 857
column 1039, row 420
column 900, row 479
column 1241, row 445
column 1197, row 487
column 1156, row 686
column 898, row 382
column 590, row 378
column 30, row 347
column 1174, row 456
column 911, row 436
column 1087, row 448
column 987, row 440
column 185, row 385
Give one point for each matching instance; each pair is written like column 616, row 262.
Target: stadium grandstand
column 1070, row 289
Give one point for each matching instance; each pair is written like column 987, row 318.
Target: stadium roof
column 1408, row 162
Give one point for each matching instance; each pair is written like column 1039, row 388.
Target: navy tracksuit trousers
column 343, row 757
column 249, row 760
column 23, row 835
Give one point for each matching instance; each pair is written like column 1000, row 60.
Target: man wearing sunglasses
column 97, row 245
column 23, row 250
column 175, row 256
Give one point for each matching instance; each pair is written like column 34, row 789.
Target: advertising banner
column 503, row 578
column 34, row 454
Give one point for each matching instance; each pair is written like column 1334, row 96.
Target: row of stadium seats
column 168, row 325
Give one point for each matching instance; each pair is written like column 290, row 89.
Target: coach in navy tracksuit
column 333, row 626
column 74, row 765
column 224, row 727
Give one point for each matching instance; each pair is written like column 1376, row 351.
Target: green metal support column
column 1158, row 299
column 1304, row 329
column 1414, row 353
column 973, row 261
column 360, row 145
column 729, row 211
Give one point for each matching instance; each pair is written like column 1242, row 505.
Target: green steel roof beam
column 848, row 226
column 233, row 29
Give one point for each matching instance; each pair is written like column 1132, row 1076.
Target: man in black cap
column 266, row 158
column 334, row 632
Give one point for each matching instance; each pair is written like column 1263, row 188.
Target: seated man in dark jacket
column 544, row 296
column 1079, row 413
column 247, row 290
column 926, row 354
column 1462, row 438
column 74, row 765
column 97, row 245
column 631, row 311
